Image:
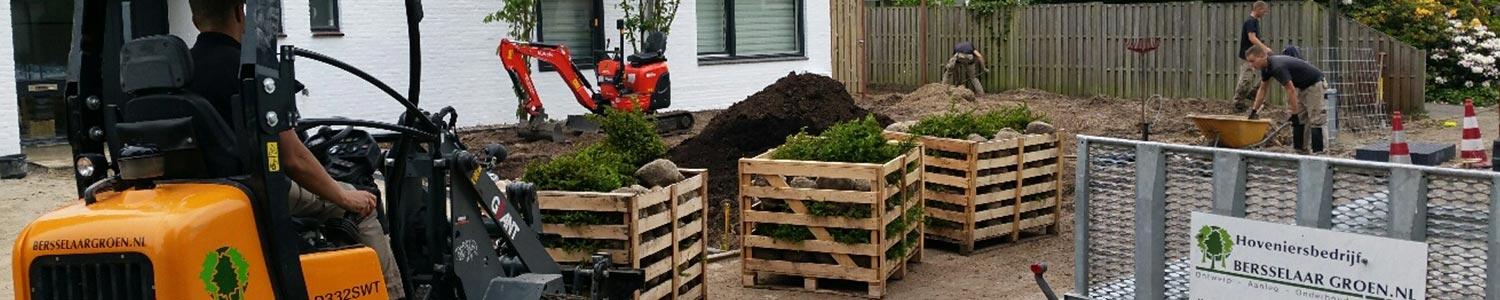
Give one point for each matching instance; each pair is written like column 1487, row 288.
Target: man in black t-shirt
column 965, row 67
column 1304, row 93
column 314, row 194
column 1249, row 37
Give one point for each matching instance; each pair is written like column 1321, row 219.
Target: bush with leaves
column 854, row 141
column 956, row 124
column 632, row 135
column 592, row 169
column 645, row 17
column 520, row 15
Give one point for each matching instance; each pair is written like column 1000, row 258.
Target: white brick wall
column 10, row 116
column 461, row 70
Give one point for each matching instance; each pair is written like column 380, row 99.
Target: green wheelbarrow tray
column 1232, row 131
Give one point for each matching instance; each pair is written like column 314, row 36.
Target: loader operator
column 964, row 68
column 314, row 194
column 1304, row 93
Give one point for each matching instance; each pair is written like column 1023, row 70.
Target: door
column 42, row 32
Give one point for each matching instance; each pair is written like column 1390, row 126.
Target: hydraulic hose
column 411, row 108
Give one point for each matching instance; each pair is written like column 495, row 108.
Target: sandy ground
column 997, row 272
column 24, row 200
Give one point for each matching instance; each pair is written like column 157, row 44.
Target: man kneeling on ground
column 1304, row 90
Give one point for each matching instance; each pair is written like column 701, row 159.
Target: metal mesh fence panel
column 1361, row 201
column 1111, row 207
column 1355, row 73
column 1271, row 191
column 1189, row 188
column 1457, row 223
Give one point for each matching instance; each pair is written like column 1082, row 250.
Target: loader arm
column 514, row 56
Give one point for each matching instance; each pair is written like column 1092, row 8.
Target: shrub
column 632, row 135
column 784, row 232
column 854, row 141
column 1483, row 96
column 592, row 169
column 956, row 124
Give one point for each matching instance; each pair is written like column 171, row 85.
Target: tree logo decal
column 225, row 274
column 1215, row 243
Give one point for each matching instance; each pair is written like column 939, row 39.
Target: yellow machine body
column 200, row 240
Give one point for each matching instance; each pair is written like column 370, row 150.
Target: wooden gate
column 848, row 22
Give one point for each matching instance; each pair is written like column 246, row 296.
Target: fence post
column 1081, row 220
column 1314, row 193
column 1150, row 222
column 922, row 45
column 1229, row 184
column 1492, row 241
column 1408, row 204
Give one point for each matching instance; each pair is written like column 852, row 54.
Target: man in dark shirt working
column 314, row 194
column 965, row 67
column 1304, row 93
column 1250, row 36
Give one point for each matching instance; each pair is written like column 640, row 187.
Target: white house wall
column 10, row 113
column 460, row 68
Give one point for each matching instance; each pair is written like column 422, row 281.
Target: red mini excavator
column 635, row 83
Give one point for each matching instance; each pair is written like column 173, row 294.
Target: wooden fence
column 1079, row 49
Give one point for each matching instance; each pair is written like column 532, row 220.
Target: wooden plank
column 812, row 269
column 658, row 292
column 755, row 241
column 998, row 162
column 949, row 198
column 689, row 208
column 652, row 198
column 583, row 201
column 809, row 194
column 995, row 213
column 946, row 163
column 652, row 222
column 994, row 196
column 653, row 246
column 563, row 256
column 598, row 232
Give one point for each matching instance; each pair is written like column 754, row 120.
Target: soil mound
column 763, row 121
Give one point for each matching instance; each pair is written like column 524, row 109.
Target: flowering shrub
column 1464, row 63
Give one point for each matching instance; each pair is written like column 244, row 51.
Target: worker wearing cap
column 964, row 68
column 1304, row 90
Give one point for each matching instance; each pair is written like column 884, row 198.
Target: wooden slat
column 806, row 168
column 654, row 197
column 563, row 256
column 996, row 178
column 994, row 213
column 948, row 180
column 583, row 201
column 658, row 292
column 998, row 162
column 812, row 269
column 653, row 246
column 690, row 207
column 651, row 223
column 598, row 232
column 946, row 163
column 955, row 199
column 755, row 241
column 809, row 194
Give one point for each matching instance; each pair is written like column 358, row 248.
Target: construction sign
column 1237, row 258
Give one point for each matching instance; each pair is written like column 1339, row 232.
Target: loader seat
column 163, row 119
column 653, row 49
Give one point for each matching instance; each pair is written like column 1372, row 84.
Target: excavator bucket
column 543, row 129
column 579, row 124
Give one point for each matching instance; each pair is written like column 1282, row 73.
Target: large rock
column 902, row 126
column 803, row 183
column 1006, row 134
column 977, row 138
column 843, row 184
column 1039, row 127
column 660, row 172
column 633, row 189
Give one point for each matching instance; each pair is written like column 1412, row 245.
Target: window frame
column 335, row 29
column 596, row 37
column 730, row 55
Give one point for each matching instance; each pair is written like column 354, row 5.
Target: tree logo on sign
column 1215, row 243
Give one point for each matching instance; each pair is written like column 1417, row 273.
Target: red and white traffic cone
column 1399, row 152
column 1471, row 149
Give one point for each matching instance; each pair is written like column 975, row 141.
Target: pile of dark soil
column 761, row 122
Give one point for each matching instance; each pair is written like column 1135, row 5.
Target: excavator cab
column 181, row 202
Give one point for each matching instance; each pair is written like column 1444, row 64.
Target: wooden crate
column 990, row 191
column 768, row 198
column 663, row 233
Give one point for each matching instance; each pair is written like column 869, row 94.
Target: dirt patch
column 23, row 201
column 762, row 121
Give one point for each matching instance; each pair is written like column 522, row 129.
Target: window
column 734, row 29
column 572, row 23
column 325, row 15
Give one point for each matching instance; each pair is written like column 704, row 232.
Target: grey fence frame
column 1408, row 193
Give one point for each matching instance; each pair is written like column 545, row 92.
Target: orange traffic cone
column 1471, row 149
column 1399, row 152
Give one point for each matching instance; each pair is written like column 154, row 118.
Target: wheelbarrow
column 1235, row 131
